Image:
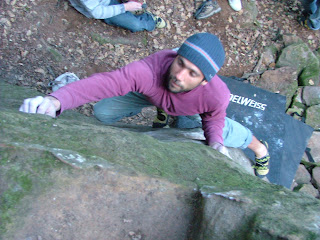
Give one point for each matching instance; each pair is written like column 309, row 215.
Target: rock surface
column 74, row 178
column 281, row 80
column 306, row 62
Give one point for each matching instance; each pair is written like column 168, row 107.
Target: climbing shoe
column 261, row 167
column 160, row 23
column 161, row 120
column 207, row 9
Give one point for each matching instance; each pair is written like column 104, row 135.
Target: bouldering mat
column 263, row 112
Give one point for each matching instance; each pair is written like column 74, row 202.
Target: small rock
column 40, row 70
column 311, row 95
column 5, row 22
column 313, row 116
column 302, row 175
column 11, row 14
column 316, row 176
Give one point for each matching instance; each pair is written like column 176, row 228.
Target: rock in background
column 293, row 71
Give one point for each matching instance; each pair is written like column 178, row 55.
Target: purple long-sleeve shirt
column 148, row 76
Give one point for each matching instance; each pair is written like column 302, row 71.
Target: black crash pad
column 263, row 112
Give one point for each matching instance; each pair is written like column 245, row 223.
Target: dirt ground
column 41, row 39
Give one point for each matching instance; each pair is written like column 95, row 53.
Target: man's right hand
column 42, row 105
column 220, row 148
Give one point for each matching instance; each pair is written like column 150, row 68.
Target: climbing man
column 182, row 83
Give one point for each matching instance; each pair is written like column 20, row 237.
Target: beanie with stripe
column 205, row 51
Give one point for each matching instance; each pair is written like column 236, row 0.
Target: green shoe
column 161, row 120
column 261, row 168
column 160, row 23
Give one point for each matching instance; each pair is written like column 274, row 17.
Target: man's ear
column 204, row 82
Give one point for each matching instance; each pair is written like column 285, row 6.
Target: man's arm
column 135, row 77
column 212, row 125
column 42, row 105
column 100, row 11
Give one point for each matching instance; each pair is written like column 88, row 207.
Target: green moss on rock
column 299, row 56
column 22, row 173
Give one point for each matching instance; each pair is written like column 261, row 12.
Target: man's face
column 184, row 76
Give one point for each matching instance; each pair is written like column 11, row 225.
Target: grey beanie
column 205, row 51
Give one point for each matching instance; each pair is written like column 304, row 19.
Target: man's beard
column 171, row 78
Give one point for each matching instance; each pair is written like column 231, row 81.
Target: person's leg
column 310, row 6
column 111, row 110
column 188, row 121
column 311, row 14
column 314, row 18
column 238, row 136
column 132, row 22
column 258, row 148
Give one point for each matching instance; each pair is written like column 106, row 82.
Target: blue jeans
column 134, row 23
column 312, row 8
column 111, row 110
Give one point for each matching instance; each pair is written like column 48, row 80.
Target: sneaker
column 303, row 21
column 261, row 168
column 235, row 5
column 161, row 120
column 63, row 80
column 207, row 9
column 160, row 23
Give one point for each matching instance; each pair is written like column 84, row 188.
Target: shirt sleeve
column 212, row 124
column 135, row 77
column 102, row 10
column 213, row 121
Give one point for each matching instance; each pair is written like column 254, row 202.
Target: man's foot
column 160, row 23
column 161, row 120
column 305, row 22
column 207, row 9
column 235, row 5
column 261, row 168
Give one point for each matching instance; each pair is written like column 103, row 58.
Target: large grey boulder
column 299, row 56
column 74, row 178
column 236, row 214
